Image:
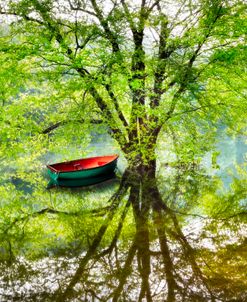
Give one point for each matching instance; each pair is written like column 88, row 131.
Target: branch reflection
column 141, row 250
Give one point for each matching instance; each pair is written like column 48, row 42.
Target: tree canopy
column 143, row 66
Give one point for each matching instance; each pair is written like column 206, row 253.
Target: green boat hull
column 80, row 182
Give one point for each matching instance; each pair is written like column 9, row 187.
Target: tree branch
column 109, row 34
column 126, row 270
column 116, row 132
column 65, row 122
column 27, row 18
column 166, row 256
column 197, row 108
column 156, row 3
column 116, row 104
column 163, row 55
column 115, row 200
column 41, row 212
column 118, row 231
column 79, row 8
column 188, row 251
column 128, row 16
column 115, row 48
column 189, row 66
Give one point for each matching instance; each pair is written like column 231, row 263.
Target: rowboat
column 83, row 171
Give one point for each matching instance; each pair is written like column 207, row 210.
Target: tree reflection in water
column 143, row 246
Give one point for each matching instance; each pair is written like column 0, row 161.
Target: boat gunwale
column 51, row 168
column 116, row 156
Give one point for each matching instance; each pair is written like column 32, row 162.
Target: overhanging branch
column 65, row 122
column 54, row 29
column 188, row 69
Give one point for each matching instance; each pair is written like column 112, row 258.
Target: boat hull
column 80, row 182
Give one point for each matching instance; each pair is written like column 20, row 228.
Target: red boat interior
column 81, row 164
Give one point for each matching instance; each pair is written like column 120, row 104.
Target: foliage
column 163, row 80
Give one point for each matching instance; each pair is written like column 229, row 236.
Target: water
column 82, row 245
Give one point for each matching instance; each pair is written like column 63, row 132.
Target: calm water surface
column 89, row 244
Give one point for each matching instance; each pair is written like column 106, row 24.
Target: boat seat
column 77, row 166
column 101, row 163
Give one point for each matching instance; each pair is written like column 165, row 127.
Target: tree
column 146, row 69
column 144, row 65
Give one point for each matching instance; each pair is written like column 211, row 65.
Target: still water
column 111, row 242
